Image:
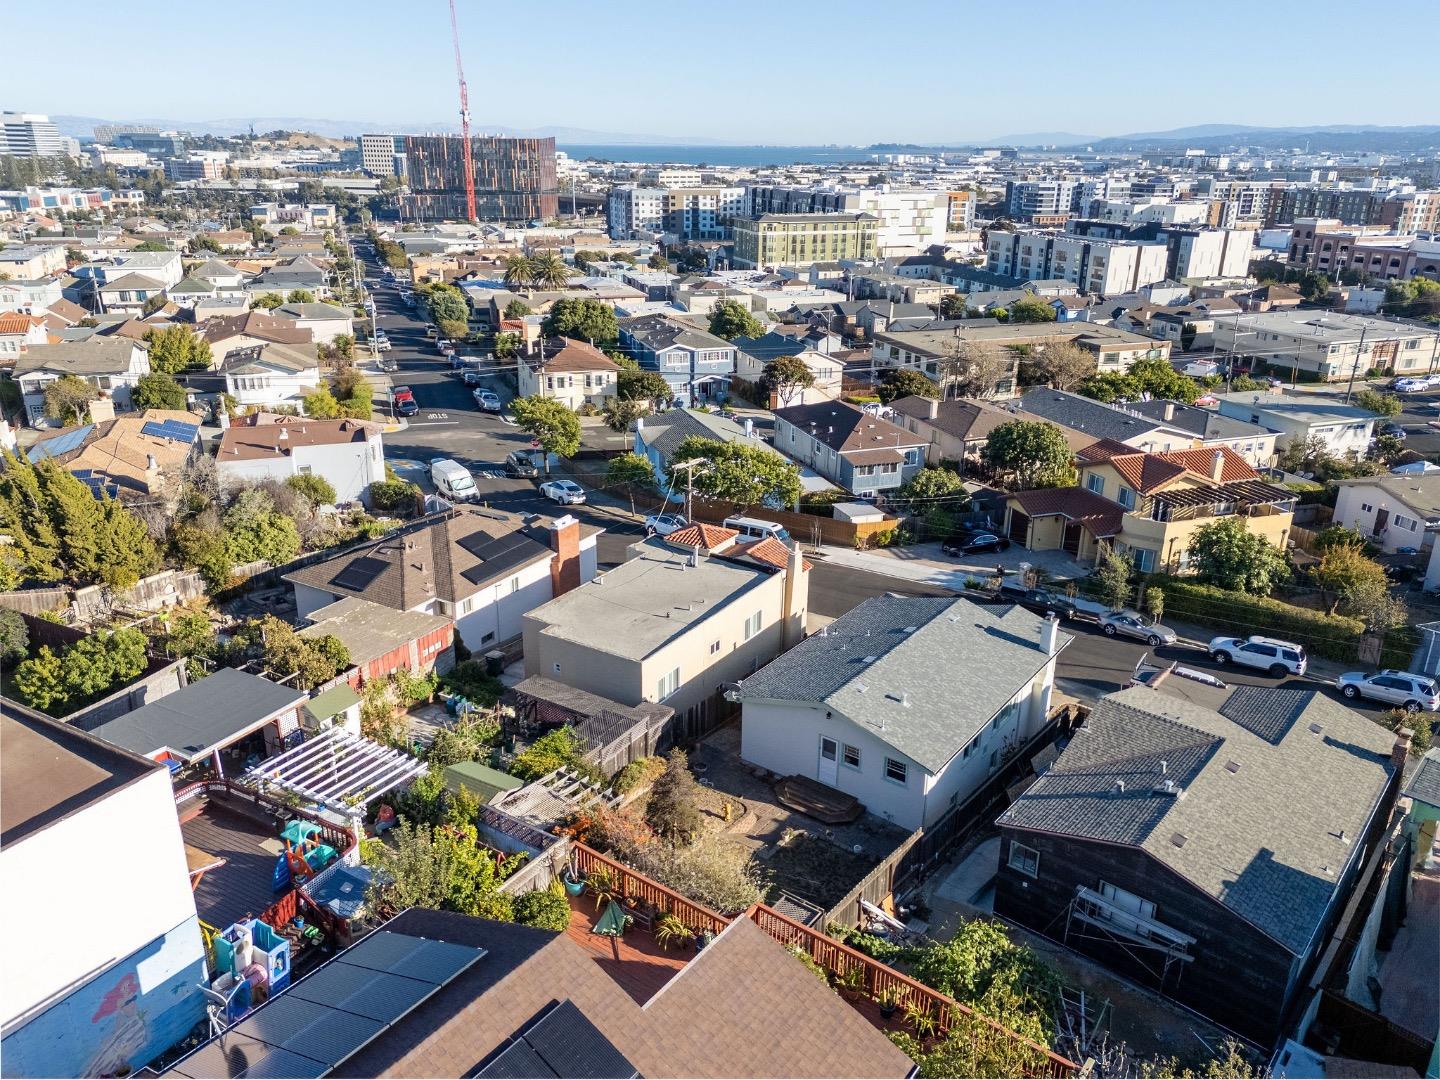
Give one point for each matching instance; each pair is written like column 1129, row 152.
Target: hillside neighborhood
column 473, row 608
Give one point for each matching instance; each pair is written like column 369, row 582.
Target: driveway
column 925, row 563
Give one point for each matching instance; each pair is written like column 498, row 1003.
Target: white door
column 829, row 761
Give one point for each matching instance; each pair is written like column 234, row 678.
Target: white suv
column 1411, row 692
column 1279, row 658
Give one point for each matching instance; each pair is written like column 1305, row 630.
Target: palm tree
column 548, row 271
column 519, row 272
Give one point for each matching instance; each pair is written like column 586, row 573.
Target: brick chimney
column 564, row 536
column 1401, row 749
column 1217, row 465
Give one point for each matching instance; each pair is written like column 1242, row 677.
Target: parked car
column 565, row 492
column 974, row 544
column 1132, row 624
column 1267, row 654
column 403, row 398
column 665, row 524
column 1040, row 601
column 472, row 378
column 488, row 400
column 382, row 343
column 519, row 463
column 1392, row 429
column 1416, row 384
column 1411, row 692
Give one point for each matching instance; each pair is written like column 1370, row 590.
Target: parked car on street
column 403, row 398
column 665, row 524
column 974, row 544
column 1266, row 654
column 472, row 378
column 1415, row 384
column 1132, row 624
column 1414, row 693
column 521, row 464
column 488, row 400
column 1392, row 429
column 382, row 343
column 565, row 492
column 1040, row 601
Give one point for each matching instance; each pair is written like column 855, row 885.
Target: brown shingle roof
column 1100, row 515
column 575, row 356
column 252, row 442
column 254, row 324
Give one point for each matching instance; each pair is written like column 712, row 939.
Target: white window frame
column 1028, row 862
column 891, row 767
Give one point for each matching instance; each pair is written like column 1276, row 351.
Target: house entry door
column 829, row 762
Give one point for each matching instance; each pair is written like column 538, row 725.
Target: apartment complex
column 1190, row 252
column 1098, row 266
column 1327, row 246
column 28, row 135
column 1330, row 344
column 907, row 220
column 514, row 178
column 1029, row 200
column 798, row 240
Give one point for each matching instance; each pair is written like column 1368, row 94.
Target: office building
column 514, row 178
column 382, row 155
column 801, row 239
column 29, row 135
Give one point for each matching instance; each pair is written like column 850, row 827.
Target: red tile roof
column 1202, row 461
column 1150, row 472
column 17, row 322
column 1104, row 450
column 769, row 550
column 706, row 537
column 1101, row 516
column 1146, row 472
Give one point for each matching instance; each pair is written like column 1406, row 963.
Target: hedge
column 1335, row 637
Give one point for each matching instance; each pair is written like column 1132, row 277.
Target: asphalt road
column 1418, row 412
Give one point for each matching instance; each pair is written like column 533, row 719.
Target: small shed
column 614, row 734
column 337, row 707
column 857, row 512
column 480, row 780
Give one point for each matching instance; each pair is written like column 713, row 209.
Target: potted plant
column 889, row 1001
column 921, row 1019
column 571, row 879
column 670, row 930
column 851, row 983
column 601, row 883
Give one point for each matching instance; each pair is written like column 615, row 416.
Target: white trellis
column 338, row 770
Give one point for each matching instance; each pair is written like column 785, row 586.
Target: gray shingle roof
column 666, row 431
column 1082, row 414
column 924, row 674
column 1266, row 796
column 1206, row 423
column 1424, row 785
column 93, row 356
column 662, row 332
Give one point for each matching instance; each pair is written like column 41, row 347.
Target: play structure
column 305, row 854
column 252, row 964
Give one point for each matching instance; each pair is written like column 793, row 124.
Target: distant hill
column 1337, row 137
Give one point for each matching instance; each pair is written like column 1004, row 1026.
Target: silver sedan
column 1132, row 624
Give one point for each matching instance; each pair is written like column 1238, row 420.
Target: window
column 1405, row 523
column 667, row 685
column 714, row 647
column 897, row 772
column 1144, row 560
column 1128, row 901
column 1096, row 483
column 753, row 624
column 851, row 756
column 1024, row 859
column 515, row 584
column 1126, row 498
column 556, row 666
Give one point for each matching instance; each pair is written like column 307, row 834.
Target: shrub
column 393, row 495
column 557, row 749
column 718, row 874
column 471, row 681
column 1334, row 637
column 672, row 810
column 544, row 909
column 638, row 774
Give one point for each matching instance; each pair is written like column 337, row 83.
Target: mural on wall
column 127, row 1032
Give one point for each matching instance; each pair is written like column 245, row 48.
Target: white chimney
column 151, row 465
column 934, row 407
column 1217, row 465
column 223, row 418
column 639, row 423
column 284, row 435
column 1169, row 410
column 1050, row 635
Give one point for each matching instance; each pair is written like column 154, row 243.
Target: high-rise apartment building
column 907, row 220
column 514, row 178
column 1026, row 200
column 801, row 239
column 1097, row 266
column 29, row 135
column 631, row 210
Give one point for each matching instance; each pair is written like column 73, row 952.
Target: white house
column 111, row 364
column 100, row 999
column 271, row 374
column 1392, row 511
column 350, row 454
column 325, row 322
column 1345, row 429
column 827, row 371
column 909, row 704
column 130, row 292
column 33, row 295
column 19, row 331
column 572, row 372
column 485, row 569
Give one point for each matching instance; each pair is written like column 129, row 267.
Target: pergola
column 338, row 770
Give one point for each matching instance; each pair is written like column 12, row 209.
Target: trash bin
column 494, row 662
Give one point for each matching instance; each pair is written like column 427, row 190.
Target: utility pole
column 1359, row 352
column 690, row 467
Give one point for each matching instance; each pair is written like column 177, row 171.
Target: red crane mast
column 464, row 120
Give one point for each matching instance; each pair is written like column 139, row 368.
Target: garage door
column 1071, row 543
column 1019, row 527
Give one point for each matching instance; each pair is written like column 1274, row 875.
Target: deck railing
column 635, row 886
column 341, row 838
column 914, row 999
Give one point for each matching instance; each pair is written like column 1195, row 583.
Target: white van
column 453, row 481
column 755, row 529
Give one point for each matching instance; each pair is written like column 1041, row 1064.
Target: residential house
column 247, row 330
column 697, row 364
column 512, row 1000
column 671, row 625
column 1070, row 519
column 112, row 365
column 32, row 295
column 1395, row 512
column 220, row 274
column 658, row 437
column 18, row 331
column 1254, row 443
column 1118, row 423
column 382, row 641
column 77, row 812
column 484, row 569
column 1343, row 429
column 325, row 322
column 267, row 375
column 129, row 292
column 27, row 262
column 851, row 448
column 127, row 455
column 1172, row 841
column 876, row 706
column 190, row 291
column 1167, row 497
column 349, row 454
column 574, row 373
column 958, row 428
column 158, row 270
column 827, row 373
column 296, row 273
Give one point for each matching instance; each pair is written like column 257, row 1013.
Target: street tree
column 786, row 376
column 905, row 382
column 583, row 320
column 620, row 414
column 730, row 320
column 636, row 384
column 629, row 473
column 1372, row 400
column 552, row 425
column 735, row 473
column 1033, row 453
column 446, row 303
column 1227, row 554
column 1112, row 577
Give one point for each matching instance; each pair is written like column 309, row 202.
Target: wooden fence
column 876, row 887
column 635, row 886
column 1368, row 1036
column 805, row 528
column 1022, row 1056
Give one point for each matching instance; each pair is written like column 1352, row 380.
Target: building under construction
column 514, row 178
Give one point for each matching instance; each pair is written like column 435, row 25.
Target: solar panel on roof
column 573, row 1047
column 358, row 574
column 314, row 1031
column 378, row 995
column 414, row 958
column 496, row 555
column 518, row 1061
column 61, row 444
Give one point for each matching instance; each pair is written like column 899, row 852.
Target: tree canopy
column 67, row 399
column 905, row 382
column 256, row 530
column 583, row 320
column 1227, row 554
column 786, row 376
column 300, row 296
column 673, row 809
column 1063, row 365
column 553, row 425
column 1155, row 377
column 175, row 349
column 1031, row 309
column 637, row 384
column 1033, row 452
column 158, row 391
column 269, row 300
column 446, row 303
column 736, row 473
column 277, row 644
column 730, row 319
column 59, row 683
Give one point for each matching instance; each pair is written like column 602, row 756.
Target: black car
column 1040, row 601
column 974, row 544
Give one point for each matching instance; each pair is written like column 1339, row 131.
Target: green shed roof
column 332, row 702
column 480, row 780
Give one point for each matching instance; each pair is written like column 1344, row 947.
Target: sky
column 783, row 72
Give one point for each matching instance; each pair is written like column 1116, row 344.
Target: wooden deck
column 635, row 962
column 817, row 800
column 242, row 886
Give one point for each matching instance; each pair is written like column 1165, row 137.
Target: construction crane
column 464, row 120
